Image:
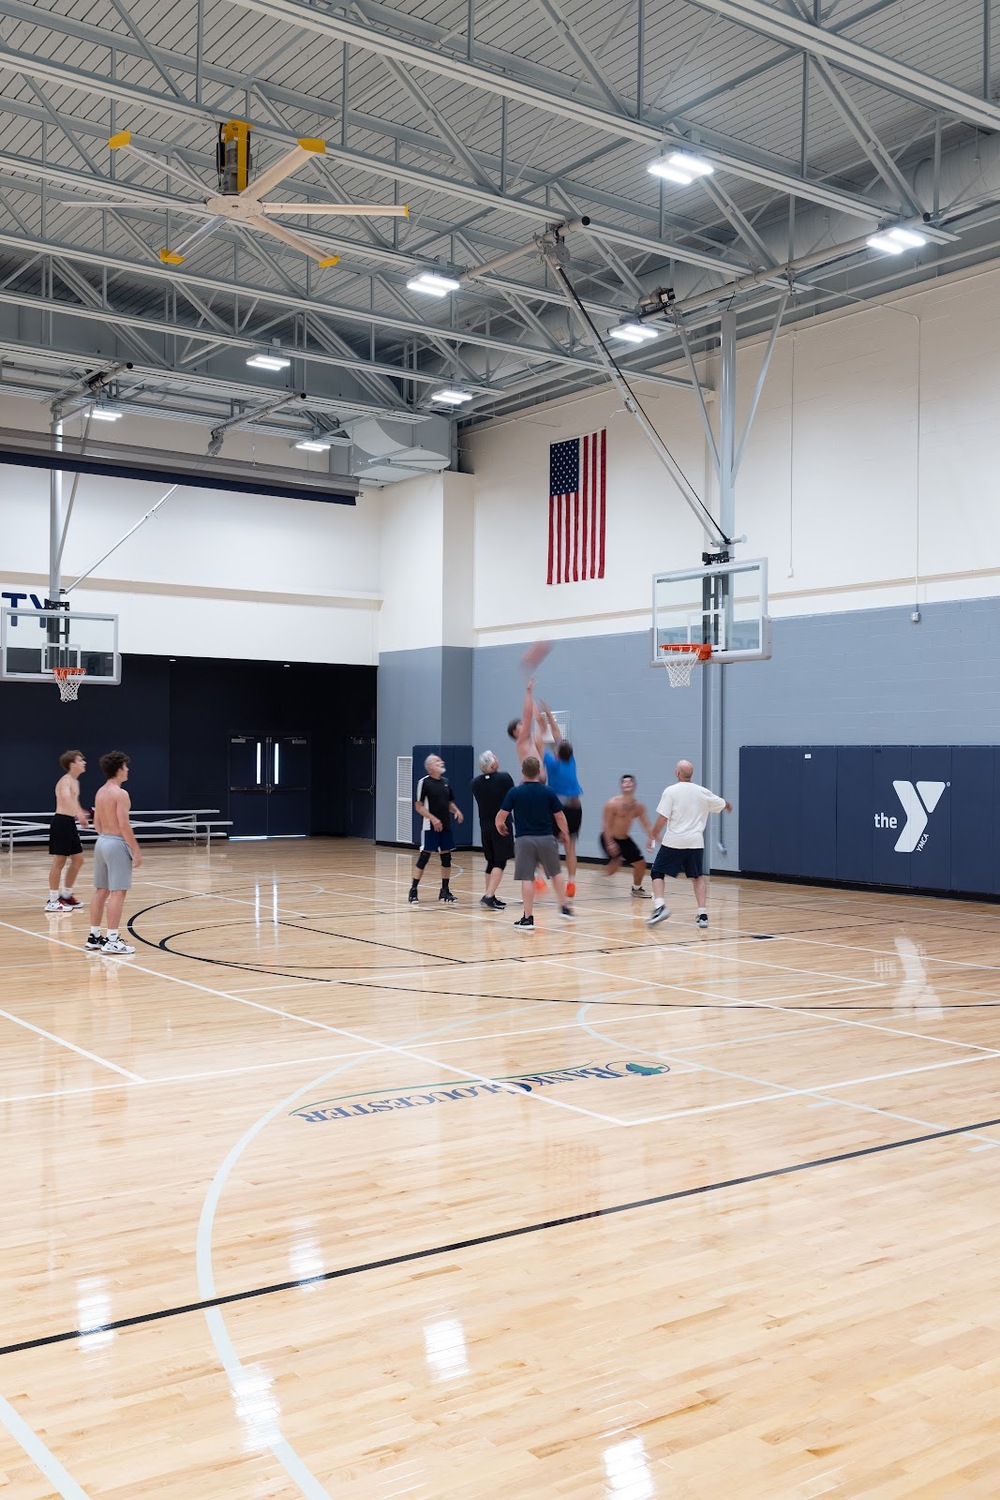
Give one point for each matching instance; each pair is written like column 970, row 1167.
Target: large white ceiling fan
column 239, row 201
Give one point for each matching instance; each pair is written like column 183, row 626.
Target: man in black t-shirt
column 489, row 790
column 535, row 807
column 435, row 804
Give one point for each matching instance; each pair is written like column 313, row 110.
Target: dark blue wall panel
column 890, row 815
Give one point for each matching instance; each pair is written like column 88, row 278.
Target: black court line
column 411, row 1256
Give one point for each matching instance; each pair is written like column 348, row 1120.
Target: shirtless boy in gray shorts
column 116, row 855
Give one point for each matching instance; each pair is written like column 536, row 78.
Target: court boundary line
column 563, row 1221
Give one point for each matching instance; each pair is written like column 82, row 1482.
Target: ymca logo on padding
column 918, row 803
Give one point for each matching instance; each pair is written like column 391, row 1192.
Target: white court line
column 62, row 1481
column 287, row 1015
column 290, row 1062
column 953, row 963
column 62, row 1042
column 784, row 1091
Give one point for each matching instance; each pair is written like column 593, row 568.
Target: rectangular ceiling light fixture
column 896, row 240
column 268, row 362
column 433, row 283
column 634, row 333
column 681, row 167
column 451, row 398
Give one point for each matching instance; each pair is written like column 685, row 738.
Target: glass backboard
column 33, row 642
column 723, row 605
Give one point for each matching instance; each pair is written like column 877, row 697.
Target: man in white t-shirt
column 682, row 811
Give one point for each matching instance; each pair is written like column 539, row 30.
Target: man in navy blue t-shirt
column 535, row 810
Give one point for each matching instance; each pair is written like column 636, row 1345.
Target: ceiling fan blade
column 297, row 242
column 283, row 167
column 345, row 210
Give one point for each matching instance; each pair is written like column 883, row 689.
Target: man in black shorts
column 535, row 808
column 619, row 814
column 681, row 815
column 489, row 790
column 64, row 834
column 436, row 805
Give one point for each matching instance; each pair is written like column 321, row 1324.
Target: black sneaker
column 659, row 914
column 95, row 942
column 445, row 895
column 567, row 911
column 412, row 896
column 487, row 901
column 525, row 924
column 499, row 905
column 701, row 920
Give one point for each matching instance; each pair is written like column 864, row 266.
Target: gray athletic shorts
column 112, row 863
column 530, row 851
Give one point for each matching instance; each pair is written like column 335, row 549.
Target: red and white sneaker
column 70, row 903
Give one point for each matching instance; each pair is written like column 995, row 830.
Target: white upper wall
column 869, row 477
column 212, row 573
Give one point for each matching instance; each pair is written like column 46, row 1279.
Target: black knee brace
column 423, row 859
column 445, row 860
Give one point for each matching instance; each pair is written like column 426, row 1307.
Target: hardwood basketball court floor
column 321, row 1194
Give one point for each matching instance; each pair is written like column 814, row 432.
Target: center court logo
column 918, row 802
column 349, row 1106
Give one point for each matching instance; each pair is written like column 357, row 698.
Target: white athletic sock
column 53, row 895
column 702, row 911
column 112, row 934
column 95, row 931
column 67, row 892
column 658, row 902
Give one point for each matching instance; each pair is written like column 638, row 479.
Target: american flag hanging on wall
column 577, row 508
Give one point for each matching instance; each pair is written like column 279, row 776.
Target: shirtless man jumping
column 64, row 834
column 526, row 732
column 619, row 814
column 116, row 855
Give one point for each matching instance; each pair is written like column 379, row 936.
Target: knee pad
column 445, row 860
column 423, row 859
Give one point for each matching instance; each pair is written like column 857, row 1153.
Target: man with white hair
column 489, row 790
column 435, row 804
column 682, row 811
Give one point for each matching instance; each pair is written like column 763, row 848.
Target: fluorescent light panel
column 896, row 240
column 102, row 414
column 313, row 445
column 634, row 333
column 681, row 167
column 451, row 398
column 268, row 362
column 434, row 283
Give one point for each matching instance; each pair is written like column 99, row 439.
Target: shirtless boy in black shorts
column 64, row 834
column 619, row 815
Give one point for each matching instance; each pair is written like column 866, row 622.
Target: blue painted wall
column 864, row 677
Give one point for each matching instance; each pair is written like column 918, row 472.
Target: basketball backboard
column 722, row 604
column 33, row 642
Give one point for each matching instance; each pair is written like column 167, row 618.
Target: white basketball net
column 680, row 666
column 68, row 682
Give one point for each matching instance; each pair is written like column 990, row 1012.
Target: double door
column 269, row 785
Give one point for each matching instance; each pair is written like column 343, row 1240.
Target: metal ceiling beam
column 551, row 100
column 851, row 56
column 93, row 83
column 291, row 304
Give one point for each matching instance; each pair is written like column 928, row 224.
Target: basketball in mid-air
column 535, row 655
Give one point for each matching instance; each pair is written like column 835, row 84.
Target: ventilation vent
column 404, row 799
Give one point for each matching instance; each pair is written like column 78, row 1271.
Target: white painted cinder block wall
column 869, row 479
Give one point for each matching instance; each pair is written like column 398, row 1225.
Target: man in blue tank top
column 560, row 773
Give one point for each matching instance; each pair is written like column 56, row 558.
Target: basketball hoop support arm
column 88, row 388
column 548, row 246
column 214, row 445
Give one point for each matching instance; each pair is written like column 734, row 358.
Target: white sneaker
column 659, row 914
column 56, row 906
column 115, row 945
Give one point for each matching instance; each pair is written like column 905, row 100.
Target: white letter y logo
column 914, row 806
